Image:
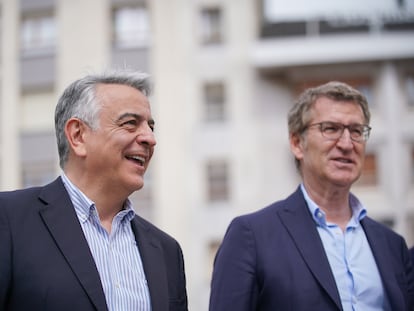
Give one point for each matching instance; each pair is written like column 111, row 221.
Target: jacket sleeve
column 180, row 303
column 234, row 281
column 5, row 258
column 409, row 268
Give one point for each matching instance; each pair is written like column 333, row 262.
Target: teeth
column 138, row 158
column 142, row 159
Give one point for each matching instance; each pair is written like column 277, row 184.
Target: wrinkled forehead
column 326, row 106
column 117, row 99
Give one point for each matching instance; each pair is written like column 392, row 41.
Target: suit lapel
column 154, row 267
column 301, row 227
column 380, row 251
column 62, row 222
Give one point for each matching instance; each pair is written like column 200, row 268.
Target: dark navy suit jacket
column 412, row 253
column 274, row 260
column 46, row 264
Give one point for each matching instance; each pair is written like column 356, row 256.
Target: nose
column 146, row 136
column 345, row 140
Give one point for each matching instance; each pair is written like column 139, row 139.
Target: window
column 211, row 26
column 38, row 34
column 212, row 249
column 218, row 180
column 38, row 158
column 214, row 100
column 131, row 27
column 412, row 165
column 369, row 171
column 410, row 227
column 409, row 88
column 38, row 174
column 366, row 90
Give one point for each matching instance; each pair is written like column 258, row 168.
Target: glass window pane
column 38, row 174
column 131, row 27
column 218, row 180
column 214, row 100
column 38, row 33
column 409, row 87
column 211, row 26
column 212, row 249
column 369, row 171
column 412, row 165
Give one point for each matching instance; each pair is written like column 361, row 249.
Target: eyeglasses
column 334, row 130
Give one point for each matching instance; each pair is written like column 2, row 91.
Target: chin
column 139, row 186
column 344, row 181
column 135, row 185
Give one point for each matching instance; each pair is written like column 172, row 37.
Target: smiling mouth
column 137, row 159
column 343, row 160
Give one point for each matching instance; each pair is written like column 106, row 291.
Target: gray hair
column 79, row 100
column 299, row 115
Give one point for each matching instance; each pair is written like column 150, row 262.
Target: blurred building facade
column 226, row 73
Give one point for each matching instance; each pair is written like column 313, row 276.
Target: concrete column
column 391, row 103
column 173, row 97
column 9, row 90
column 83, row 42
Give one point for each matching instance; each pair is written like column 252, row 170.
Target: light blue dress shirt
column 351, row 259
column 116, row 254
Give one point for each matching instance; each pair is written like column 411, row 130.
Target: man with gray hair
column 317, row 249
column 76, row 243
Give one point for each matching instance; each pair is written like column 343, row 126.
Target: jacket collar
column 60, row 218
column 296, row 217
column 152, row 260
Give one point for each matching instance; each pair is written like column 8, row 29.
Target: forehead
column 118, row 96
column 325, row 107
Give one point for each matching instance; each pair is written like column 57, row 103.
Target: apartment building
column 226, row 73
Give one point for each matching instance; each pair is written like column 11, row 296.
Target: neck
column 334, row 203
column 108, row 203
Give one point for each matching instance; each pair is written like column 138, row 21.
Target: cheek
column 150, row 156
column 360, row 152
column 361, row 159
column 315, row 150
column 120, row 140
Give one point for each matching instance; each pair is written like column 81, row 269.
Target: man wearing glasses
column 317, row 249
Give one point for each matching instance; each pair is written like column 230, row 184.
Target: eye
column 329, row 128
column 357, row 130
column 129, row 124
column 151, row 125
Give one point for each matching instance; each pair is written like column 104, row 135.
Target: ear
column 75, row 131
column 296, row 145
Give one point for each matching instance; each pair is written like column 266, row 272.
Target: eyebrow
column 135, row 116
